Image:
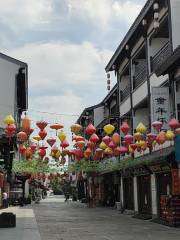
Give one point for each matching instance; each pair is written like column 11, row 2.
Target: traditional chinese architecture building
column 14, row 100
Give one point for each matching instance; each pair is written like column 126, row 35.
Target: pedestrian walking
column 5, row 200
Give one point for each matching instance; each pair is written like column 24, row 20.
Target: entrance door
column 128, row 193
column 164, row 182
column 144, row 194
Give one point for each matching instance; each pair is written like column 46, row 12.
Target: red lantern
column 124, row 128
column 22, row 149
column 51, row 141
column 42, row 134
column 91, row 145
column 117, row 151
column 41, row 125
column 133, row 146
column 94, row 138
column 22, row 136
column 87, row 153
column 78, row 153
column 106, row 140
column 29, row 131
column 10, row 130
column 128, row 139
column 33, row 147
column 174, row 123
column 42, row 153
column 157, row 125
column 65, row 144
column 56, row 126
column 43, row 147
column 90, row 129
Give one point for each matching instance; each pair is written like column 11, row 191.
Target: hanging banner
column 160, row 106
column 177, row 148
column 176, row 181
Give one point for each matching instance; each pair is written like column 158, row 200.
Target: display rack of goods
column 170, row 210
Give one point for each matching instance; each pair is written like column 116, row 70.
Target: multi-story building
column 13, row 100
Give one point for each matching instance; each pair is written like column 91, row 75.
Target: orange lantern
column 56, row 126
column 116, row 138
column 79, row 138
column 26, row 124
column 22, row 136
column 28, row 152
column 161, row 138
column 80, row 144
column 76, row 128
column 87, row 153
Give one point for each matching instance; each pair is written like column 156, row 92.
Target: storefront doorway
column 144, row 194
column 128, row 191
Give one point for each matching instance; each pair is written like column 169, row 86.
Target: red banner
column 1, row 180
column 175, row 181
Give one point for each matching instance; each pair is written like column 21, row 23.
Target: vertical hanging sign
column 160, row 106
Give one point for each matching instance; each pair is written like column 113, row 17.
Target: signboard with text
column 160, row 106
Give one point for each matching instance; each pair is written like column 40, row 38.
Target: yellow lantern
column 9, row 120
column 61, row 136
column 76, row 128
column 102, row 145
column 138, row 136
column 109, row 129
column 37, row 138
column 170, row 135
column 141, row 128
column 108, row 151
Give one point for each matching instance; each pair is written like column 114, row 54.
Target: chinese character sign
column 160, row 105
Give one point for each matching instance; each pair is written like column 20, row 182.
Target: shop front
column 128, row 189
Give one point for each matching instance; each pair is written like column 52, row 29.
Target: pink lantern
column 106, row 140
column 90, row 129
column 94, row 138
column 112, row 145
column 157, row 125
column 151, row 137
column 128, row 139
column 174, row 123
column 123, row 150
column 124, row 128
column 51, row 141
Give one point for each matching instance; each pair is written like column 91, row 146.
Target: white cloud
column 19, row 15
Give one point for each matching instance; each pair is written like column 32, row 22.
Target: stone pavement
column 58, row 220
column 26, row 225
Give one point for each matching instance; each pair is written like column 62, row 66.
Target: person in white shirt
column 5, row 200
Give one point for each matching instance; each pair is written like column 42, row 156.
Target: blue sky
column 67, row 44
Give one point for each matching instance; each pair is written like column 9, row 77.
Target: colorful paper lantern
column 56, row 126
column 41, row 125
column 141, row 128
column 10, row 130
column 174, row 123
column 157, row 125
column 103, row 146
column 91, row 145
column 22, row 149
column 161, row 138
column 22, row 136
column 116, row 138
column 108, row 151
column 106, row 140
column 151, row 137
column 79, row 138
column 117, row 151
column 28, row 152
column 90, row 129
column 65, row 144
column 128, row 139
column 124, row 128
column 123, row 150
column 87, row 153
column 94, row 138
column 37, row 138
column 112, row 145
column 51, row 141
column 109, row 129
column 170, row 135
column 138, row 136
column 61, row 136
column 26, row 124
column 9, row 120
column 33, row 147
column 133, row 146
column 42, row 134
column 80, row 144
column 42, row 153
column 76, row 128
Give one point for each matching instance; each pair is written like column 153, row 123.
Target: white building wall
column 157, row 81
column 139, row 94
column 124, row 82
column 175, row 19
column 8, row 72
column 125, row 107
column 98, row 115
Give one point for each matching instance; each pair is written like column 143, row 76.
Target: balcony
column 140, row 77
column 160, row 57
column 125, row 93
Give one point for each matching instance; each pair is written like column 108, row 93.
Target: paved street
column 68, row 221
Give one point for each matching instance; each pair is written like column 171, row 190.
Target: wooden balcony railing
column 140, row 77
column 125, row 93
column 160, row 57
